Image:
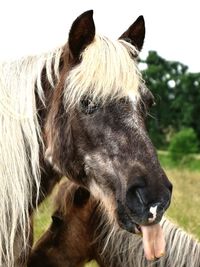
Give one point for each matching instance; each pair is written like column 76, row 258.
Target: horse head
column 68, row 240
column 95, row 129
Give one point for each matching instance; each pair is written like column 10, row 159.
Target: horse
column 81, row 231
column 78, row 111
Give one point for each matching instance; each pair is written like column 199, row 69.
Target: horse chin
column 130, row 227
column 133, row 223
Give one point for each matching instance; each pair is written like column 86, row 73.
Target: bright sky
column 35, row 26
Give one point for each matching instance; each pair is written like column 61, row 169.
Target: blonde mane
column 107, row 71
column 20, row 143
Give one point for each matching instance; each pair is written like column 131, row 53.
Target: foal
column 80, row 231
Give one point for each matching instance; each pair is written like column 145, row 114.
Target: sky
column 30, row 27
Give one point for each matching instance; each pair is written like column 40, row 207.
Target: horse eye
column 57, row 220
column 88, row 106
column 123, row 100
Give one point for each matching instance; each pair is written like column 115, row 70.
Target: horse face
column 101, row 140
column 67, row 241
column 120, row 162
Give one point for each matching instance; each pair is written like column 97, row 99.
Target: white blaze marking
column 153, row 211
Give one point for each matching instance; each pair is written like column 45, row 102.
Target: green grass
column 185, row 177
column 92, row 264
column 184, row 208
column 42, row 218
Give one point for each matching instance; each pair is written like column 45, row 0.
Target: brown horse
column 80, row 231
column 79, row 111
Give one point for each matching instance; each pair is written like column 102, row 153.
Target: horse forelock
column 20, row 144
column 107, row 71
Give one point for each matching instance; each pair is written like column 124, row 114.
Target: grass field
column 185, row 176
column 184, row 208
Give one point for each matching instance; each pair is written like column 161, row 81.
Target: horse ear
column 135, row 33
column 82, row 33
column 81, row 196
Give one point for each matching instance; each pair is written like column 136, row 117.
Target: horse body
column 79, row 111
column 80, row 231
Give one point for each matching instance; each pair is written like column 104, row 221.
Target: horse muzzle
column 140, row 209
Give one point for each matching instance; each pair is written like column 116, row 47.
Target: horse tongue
column 153, row 241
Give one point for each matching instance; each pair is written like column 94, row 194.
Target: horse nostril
column 141, row 196
column 135, row 198
column 137, row 189
column 139, row 200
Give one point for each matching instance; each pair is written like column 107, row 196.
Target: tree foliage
column 177, row 96
column 183, row 143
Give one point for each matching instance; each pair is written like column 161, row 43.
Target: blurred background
column 170, row 66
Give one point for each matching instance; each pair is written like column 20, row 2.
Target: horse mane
column 107, row 71
column 184, row 249
column 64, row 197
column 20, row 144
column 118, row 248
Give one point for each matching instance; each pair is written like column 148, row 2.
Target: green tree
column 183, row 143
column 177, row 96
column 186, row 104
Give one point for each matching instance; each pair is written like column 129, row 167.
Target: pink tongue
column 153, row 241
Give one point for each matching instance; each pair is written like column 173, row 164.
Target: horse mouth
column 137, row 229
column 152, row 238
column 151, row 232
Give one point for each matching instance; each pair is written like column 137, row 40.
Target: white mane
column 125, row 249
column 20, row 141
column 107, row 71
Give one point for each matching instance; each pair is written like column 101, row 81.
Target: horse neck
column 113, row 246
column 122, row 249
